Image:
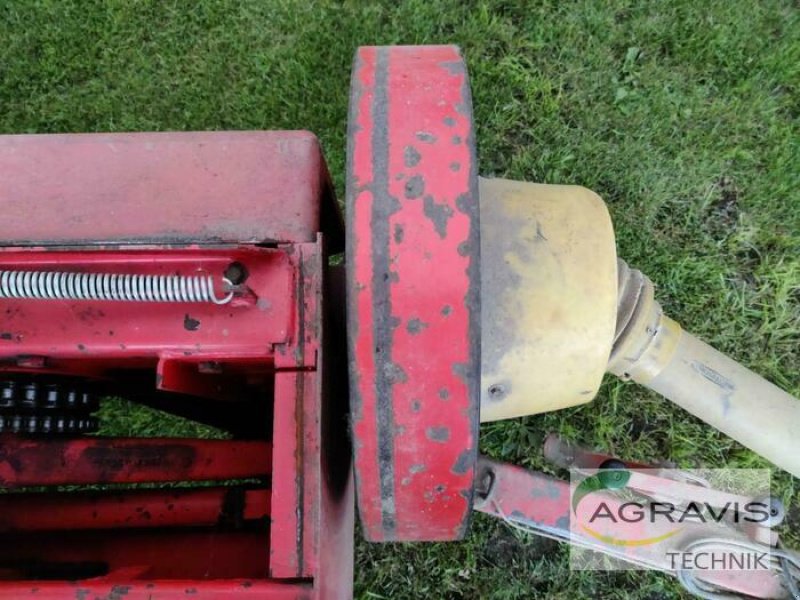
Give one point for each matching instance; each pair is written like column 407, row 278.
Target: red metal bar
column 538, row 501
column 193, row 589
column 131, row 508
column 296, row 423
column 96, row 461
column 151, row 554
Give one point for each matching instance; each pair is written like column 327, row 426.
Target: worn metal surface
column 147, row 555
column 541, row 503
column 126, row 509
column 311, row 520
column 194, row 187
column 37, row 462
column 130, row 589
column 115, row 332
column 549, row 281
column 413, row 291
column 258, row 210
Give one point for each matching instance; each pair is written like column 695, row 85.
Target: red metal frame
column 185, row 204
column 205, row 507
column 92, row 461
column 413, row 264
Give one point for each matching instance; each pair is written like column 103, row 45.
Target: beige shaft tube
column 653, row 350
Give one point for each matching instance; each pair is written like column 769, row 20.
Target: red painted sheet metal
column 84, row 461
column 204, row 187
column 305, row 327
column 126, row 509
column 535, row 499
column 143, row 554
column 297, row 482
column 62, row 329
column 225, row 589
column 413, row 294
column 290, row 524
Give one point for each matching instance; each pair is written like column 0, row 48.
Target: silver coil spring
column 51, row 285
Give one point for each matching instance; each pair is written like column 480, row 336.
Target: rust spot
column 455, row 166
column 462, row 371
column 393, row 373
column 81, row 347
column 438, row 213
column 416, row 469
column 463, row 463
column 465, row 204
column 190, row 324
column 6, row 336
column 438, row 434
column 456, row 140
column 444, row 393
column 399, row 233
column 447, row 310
column 415, row 187
column 91, row 314
column 415, row 326
column 465, row 248
column 416, row 406
column 426, row 136
column 411, row 156
column 454, row 67
column 449, row 121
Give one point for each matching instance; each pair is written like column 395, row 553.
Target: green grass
column 682, row 115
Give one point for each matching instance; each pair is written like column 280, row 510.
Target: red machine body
column 190, row 272
column 253, row 210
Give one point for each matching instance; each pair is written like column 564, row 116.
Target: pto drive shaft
column 653, row 350
column 559, row 310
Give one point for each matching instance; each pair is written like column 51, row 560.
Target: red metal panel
column 122, row 330
column 131, row 508
column 288, row 520
column 296, row 482
column 193, row 589
column 143, row 554
column 83, row 461
column 250, row 187
column 413, row 294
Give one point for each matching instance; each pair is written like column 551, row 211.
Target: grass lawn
column 684, row 116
